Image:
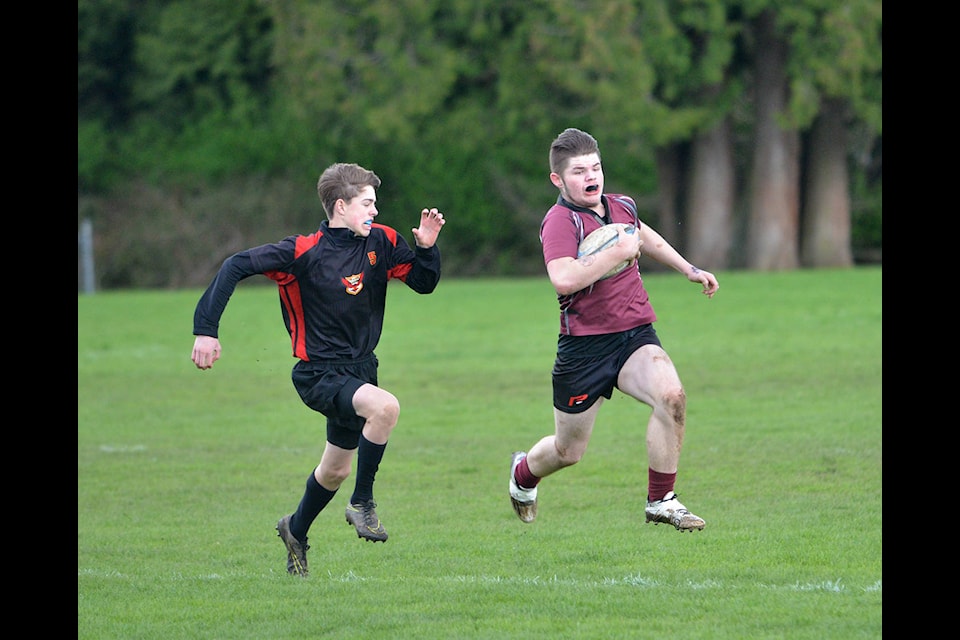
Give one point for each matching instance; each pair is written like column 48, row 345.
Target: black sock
column 369, row 456
column 314, row 499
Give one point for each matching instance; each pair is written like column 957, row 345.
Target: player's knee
column 569, row 456
column 334, row 475
column 339, row 475
column 388, row 413
column 675, row 404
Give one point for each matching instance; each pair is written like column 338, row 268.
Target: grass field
column 182, row 474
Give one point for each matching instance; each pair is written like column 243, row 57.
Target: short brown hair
column 343, row 181
column 570, row 144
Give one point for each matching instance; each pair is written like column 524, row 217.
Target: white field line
column 831, row 586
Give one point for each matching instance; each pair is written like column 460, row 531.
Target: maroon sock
column 523, row 477
column 660, row 484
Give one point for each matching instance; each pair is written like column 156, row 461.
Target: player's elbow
column 565, row 280
column 569, row 285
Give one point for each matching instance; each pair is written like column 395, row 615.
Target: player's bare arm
column 663, row 252
column 569, row 275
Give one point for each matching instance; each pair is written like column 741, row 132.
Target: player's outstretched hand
column 431, row 221
column 707, row 279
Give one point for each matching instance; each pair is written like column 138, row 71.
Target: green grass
column 182, row 474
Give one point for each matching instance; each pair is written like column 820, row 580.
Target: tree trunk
column 773, row 233
column 668, row 191
column 709, row 212
column 826, row 211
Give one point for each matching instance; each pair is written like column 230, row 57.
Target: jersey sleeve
column 424, row 272
column 559, row 235
column 417, row 267
column 239, row 266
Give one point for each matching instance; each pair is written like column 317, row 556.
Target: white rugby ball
column 604, row 238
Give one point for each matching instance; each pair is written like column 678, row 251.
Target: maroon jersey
column 332, row 284
column 607, row 306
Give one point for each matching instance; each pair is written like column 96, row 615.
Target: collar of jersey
column 339, row 235
column 584, row 210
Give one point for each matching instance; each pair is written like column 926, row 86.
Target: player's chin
column 589, row 201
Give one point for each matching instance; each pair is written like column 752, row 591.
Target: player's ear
column 556, row 180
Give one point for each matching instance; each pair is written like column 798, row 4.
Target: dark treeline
column 750, row 131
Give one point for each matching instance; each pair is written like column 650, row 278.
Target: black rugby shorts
column 587, row 367
column 328, row 388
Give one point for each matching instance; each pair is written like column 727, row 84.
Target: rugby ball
column 604, row 238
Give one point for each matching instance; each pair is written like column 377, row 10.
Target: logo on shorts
column 353, row 283
column 575, row 400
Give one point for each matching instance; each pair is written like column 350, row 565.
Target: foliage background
column 204, row 124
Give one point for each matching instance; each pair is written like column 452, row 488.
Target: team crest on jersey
column 353, row 283
column 372, row 257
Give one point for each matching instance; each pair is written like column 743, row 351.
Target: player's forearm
column 657, row 248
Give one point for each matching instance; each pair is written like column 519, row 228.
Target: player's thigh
column 573, row 430
column 648, row 374
column 335, row 457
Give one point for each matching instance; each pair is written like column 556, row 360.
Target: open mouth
column 593, row 188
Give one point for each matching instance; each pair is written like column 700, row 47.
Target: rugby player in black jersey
column 333, row 287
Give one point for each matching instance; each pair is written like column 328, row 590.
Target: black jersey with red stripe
column 332, row 284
